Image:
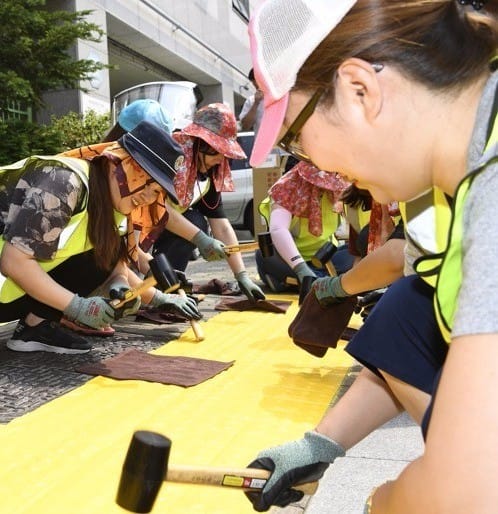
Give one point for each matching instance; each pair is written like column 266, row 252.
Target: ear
column 358, row 85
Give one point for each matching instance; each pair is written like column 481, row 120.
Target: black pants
column 78, row 274
column 176, row 249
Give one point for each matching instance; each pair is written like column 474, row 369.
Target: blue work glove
column 95, row 312
column 328, row 290
column 303, row 270
column 292, row 463
column 184, row 305
column 211, row 249
column 117, row 291
column 248, row 287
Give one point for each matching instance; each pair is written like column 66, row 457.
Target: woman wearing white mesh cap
column 400, row 98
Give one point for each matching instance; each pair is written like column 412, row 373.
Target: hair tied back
column 476, row 4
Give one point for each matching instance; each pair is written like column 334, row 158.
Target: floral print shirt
column 35, row 210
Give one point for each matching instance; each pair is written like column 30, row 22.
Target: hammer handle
column 241, row 247
column 331, row 269
column 245, row 478
column 135, row 292
column 199, row 333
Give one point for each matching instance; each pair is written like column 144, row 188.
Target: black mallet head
column 144, row 470
column 164, row 274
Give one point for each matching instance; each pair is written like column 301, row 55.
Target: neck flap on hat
column 301, row 189
column 186, row 174
column 381, row 224
column 149, row 220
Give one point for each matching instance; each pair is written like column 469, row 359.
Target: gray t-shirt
column 477, row 305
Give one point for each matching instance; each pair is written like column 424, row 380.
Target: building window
column 241, row 7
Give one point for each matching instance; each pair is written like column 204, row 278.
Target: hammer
column 164, row 274
column 146, row 467
column 240, row 247
column 264, row 243
column 322, row 258
column 166, row 279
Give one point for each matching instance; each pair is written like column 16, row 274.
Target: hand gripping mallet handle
column 164, row 273
column 146, row 467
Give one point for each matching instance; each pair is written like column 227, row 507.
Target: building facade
column 202, row 41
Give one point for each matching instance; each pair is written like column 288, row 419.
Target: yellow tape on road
column 66, row 456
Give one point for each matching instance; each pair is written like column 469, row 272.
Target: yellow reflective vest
column 307, row 243
column 447, row 266
column 73, row 239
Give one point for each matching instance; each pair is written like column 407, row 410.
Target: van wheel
column 249, row 218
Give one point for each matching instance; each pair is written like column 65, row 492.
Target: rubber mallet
column 146, row 467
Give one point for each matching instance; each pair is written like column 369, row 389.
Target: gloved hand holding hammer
column 292, row 463
column 117, row 291
column 184, row 305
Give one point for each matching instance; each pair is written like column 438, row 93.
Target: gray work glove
column 328, row 290
column 303, row 270
column 211, row 249
column 184, row 305
column 117, row 291
column 95, row 312
column 248, row 287
column 293, row 463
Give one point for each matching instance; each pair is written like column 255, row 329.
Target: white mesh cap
column 283, row 33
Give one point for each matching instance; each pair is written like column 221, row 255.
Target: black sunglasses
column 290, row 140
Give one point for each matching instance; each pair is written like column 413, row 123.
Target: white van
column 180, row 99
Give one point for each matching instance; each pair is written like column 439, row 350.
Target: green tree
column 35, row 50
column 77, row 129
column 20, row 138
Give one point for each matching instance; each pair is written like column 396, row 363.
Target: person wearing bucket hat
column 302, row 212
column 65, row 236
column 208, row 143
column 143, row 109
column 347, row 86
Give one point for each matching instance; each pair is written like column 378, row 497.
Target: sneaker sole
column 18, row 345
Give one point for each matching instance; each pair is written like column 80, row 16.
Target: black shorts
column 401, row 336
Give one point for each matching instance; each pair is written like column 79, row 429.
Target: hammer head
column 323, row 255
column 164, row 274
column 265, row 244
column 144, row 470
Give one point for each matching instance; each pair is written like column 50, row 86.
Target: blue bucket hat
column 148, row 110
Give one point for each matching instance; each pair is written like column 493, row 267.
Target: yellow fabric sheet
column 66, row 456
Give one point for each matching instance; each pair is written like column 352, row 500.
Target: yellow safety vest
column 73, row 239
column 448, row 265
column 427, row 221
column 307, row 243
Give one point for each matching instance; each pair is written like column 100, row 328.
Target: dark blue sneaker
column 47, row 336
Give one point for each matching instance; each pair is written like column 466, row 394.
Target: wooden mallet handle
column 241, row 247
column 249, row 479
column 133, row 293
column 198, row 332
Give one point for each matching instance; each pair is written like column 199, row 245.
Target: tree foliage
column 19, row 139
column 35, row 46
column 76, row 129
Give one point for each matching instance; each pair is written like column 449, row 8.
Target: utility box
column 263, row 178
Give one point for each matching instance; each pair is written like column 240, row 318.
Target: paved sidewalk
column 28, row 380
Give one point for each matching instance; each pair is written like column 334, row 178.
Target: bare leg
column 413, row 400
column 366, row 405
